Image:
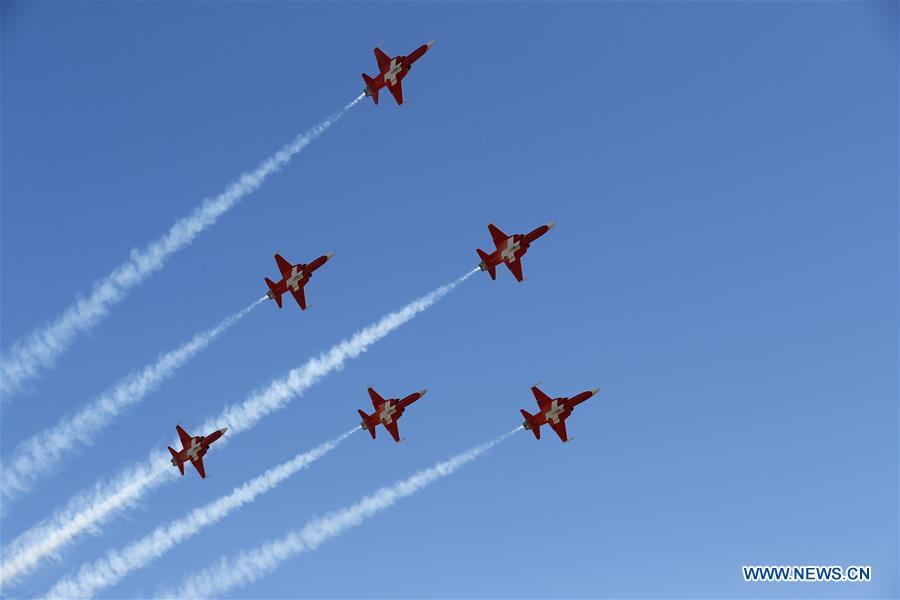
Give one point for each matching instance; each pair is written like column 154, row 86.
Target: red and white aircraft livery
column 387, row 412
column 554, row 412
column 193, row 449
column 293, row 278
column 391, row 72
column 510, row 250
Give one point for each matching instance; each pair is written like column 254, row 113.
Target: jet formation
column 509, row 250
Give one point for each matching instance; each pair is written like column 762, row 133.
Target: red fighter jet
column 554, row 412
column 387, row 412
column 391, row 72
column 510, row 250
column 293, row 278
column 193, row 449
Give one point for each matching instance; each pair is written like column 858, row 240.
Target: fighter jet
column 554, row 412
column 510, row 250
column 293, row 278
column 193, row 449
column 387, row 412
column 391, row 72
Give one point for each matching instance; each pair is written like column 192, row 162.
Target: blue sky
column 725, row 267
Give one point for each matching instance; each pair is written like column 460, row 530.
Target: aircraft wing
column 515, row 267
column 496, row 235
column 396, row 92
column 184, row 436
column 560, row 429
column 392, row 429
column 300, row 297
column 198, row 464
column 384, row 61
column 543, row 399
column 377, row 400
column 283, row 266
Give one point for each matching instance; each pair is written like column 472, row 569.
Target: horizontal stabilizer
column 274, row 295
column 530, row 424
column 484, row 260
column 365, row 423
column 178, row 464
column 370, row 90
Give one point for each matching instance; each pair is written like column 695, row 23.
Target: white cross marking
column 387, row 411
column 296, row 277
column 554, row 412
column 509, row 252
column 194, row 449
column 392, row 72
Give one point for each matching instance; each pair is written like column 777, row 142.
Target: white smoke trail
column 83, row 512
column 277, row 394
column 116, row 565
column 251, row 565
column 91, row 508
column 40, row 349
column 36, row 456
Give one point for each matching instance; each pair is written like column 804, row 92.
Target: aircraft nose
column 551, row 224
column 423, row 392
column 430, row 44
column 594, row 391
column 328, row 255
column 223, row 430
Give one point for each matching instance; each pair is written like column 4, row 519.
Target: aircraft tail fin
column 484, row 258
column 530, row 424
column 365, row 423
column 273, row 294
column 174, row 462
column 370, row 87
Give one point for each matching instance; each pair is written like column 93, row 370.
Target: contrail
column 40, row 349
column 251, row 565
column 36, row 456
column 92, row 507
column 117, row 564
column 277, row 394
